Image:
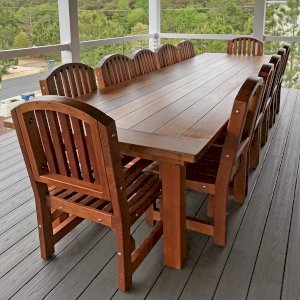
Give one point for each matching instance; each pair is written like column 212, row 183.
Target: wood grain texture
column 197, row 95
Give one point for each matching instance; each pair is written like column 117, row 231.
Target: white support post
column 154, row 23
column 259, row 19
column 68, row 26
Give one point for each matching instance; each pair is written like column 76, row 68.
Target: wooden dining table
column 172, row 116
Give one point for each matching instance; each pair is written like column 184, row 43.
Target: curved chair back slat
column 186, row 50
column 71, row 80
column 166, row 55
column 113, row 70
column 144, row 62
column 245, row 46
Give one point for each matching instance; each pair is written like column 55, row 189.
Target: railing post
column 154, row 23
column 68, row 26
column 259, row 19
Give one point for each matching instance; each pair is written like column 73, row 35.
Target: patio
column 260, row 260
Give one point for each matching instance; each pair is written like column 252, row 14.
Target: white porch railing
column 13, row 53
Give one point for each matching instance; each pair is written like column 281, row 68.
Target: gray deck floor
column 260, row 261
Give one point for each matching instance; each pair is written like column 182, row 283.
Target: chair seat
column 142, row 190
column 206, row 168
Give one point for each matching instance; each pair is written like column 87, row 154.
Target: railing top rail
column 12, row 53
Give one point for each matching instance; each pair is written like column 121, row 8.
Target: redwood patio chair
column 113, row 70
column 186, row 50
column 245, row 46
column 285, row 57
column 166, row 55
column 260, row 132
column 71, row 151
column 277, row 60
column 223, row 164
column 144, row 62
column 71, row 80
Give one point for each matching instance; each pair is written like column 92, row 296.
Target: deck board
column 260, row 261
column 269, row 267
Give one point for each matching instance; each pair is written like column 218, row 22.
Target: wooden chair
column 70, row 80
column 285, row 58
column 144, row 62
column 71, row 151
column 278, row 60
column 268, row 115
column 113, row 70
column 186, row 50
column 166, row 55
column 245, row 46
column 260, row 132
column 224, row 163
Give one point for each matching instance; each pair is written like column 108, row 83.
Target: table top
column 173, row 114
column 176, row 112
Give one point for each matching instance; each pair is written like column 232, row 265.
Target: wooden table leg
column 174, row 213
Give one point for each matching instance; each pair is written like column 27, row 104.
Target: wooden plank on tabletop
column 192, row 89
column 196, row 103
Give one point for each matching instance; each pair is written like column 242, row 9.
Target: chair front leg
column 44, row 220
column 255, row 148
column 272, row 111
column 278, row 99
column 220, row 214
column 240, row 181
column 274, row 105
column 265, row 128
column 124, row 250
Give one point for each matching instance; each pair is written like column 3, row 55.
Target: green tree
column 9, row 27
column 21, row 41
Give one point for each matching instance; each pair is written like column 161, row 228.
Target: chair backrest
column 113, row 70
column 144, row 62
column 283, row 53
column 186, row 50
column 166, row 55
column 71, row 145
column 240, row 127
column 70, row 80
column 267, row 73
column 276, row 61
column 288, row 50
column 245, row 46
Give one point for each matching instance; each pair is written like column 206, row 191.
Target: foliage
column 21, row 41
column 9, row 27
column 5, row 64
column 26, row 23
